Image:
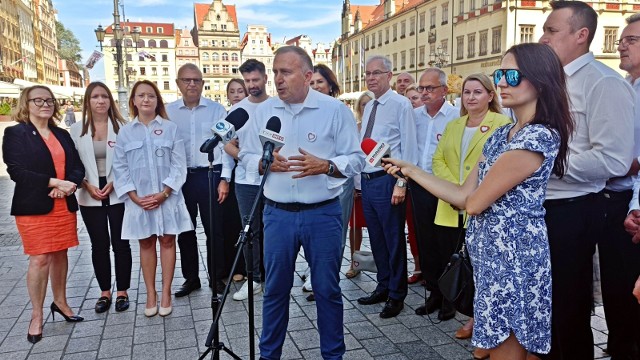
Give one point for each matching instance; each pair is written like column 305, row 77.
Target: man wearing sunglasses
column 602, row 105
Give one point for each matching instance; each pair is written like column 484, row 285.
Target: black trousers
column 574, row 226
column 619, row 269
column 104, row 225
column 429, row 249
column 196, row 197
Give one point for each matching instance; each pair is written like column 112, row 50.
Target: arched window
column 164, row 44
column 152, row 43
column 225, row 57
column 128, row 43
column 215, row 56
column 234, row 57
column 205, row 56
column 140, row 43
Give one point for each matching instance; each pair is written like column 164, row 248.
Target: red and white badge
column 111, row 144
column 438, row 137
column 158, row 132
column 484, row 128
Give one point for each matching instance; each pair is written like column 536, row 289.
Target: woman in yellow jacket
column 457, row 154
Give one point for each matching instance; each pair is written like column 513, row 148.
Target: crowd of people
column 529, row 192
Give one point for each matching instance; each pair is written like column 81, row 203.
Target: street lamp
column 439, row 58
column 118, row 35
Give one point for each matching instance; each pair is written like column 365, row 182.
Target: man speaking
column 301, row 198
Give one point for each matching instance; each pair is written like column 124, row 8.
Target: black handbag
column 456, row 282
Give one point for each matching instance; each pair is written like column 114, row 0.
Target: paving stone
column 111, row 348
column 83, row 344
column 149, row 351
column 89, row 355
column 180, row 339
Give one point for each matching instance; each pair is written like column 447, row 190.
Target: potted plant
column 5, row 112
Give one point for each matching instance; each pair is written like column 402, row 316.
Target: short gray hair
column 189, row 66
column 386, row 63
column 442, row 76
column 633, row 18
column 305, row 59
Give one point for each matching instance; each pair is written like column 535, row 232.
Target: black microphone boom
column 274, row 125
column 235, row 120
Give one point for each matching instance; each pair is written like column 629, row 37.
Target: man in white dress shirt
column 600, row 149
column 301, row 198
column 255, row 80
column 195, row 116
column 389, row 119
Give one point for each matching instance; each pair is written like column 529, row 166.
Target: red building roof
column 167, row 29
column 201, row 10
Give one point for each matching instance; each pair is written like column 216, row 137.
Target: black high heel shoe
column 56, row 309
column 33, row 338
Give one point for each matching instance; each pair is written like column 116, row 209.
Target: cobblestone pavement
column 130, row 335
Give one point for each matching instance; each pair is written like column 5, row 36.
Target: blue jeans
column 346, row 203
column 318, row 232
column 385, row 223
column 246, row 195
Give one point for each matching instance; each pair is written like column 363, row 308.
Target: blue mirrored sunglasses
column 513, row 77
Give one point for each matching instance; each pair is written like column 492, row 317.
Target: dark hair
column 330, row 77
column 21, row 113
column 305, row 59
column 582, row 16
column 542, row 68
column 87, row 115
column 239, row 81
column 160, row 110
column 252, row 65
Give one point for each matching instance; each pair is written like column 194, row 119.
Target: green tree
column 68, row 45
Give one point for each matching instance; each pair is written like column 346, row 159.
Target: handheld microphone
column 376, row 152
column 225, row 130
column 270, row 139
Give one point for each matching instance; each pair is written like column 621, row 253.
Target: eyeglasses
column 148, row 96
column 188, row 81
column 513, row 77
column 375, row 73
column 428, row 89
column 627, row 40
column 39, row 102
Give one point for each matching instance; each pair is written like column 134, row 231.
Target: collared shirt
column 324, row 127
column 430, row 129
column 194, row 127
column 602, row 105
column 395, row 125
column 148, row 157
column 243, row 133
column 626, row 183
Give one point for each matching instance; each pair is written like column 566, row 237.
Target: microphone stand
column 213, row 339
column 245, row 237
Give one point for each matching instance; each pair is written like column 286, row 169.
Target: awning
column 350, row 95
column 9, row 90
column 58, row 91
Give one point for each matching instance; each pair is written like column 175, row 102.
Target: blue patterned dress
column 509, row 249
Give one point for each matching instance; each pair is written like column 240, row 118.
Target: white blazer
column 84, row 145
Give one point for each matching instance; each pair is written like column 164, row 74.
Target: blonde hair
column 487, row 84
column 368, row 94
column 21, row 114
column 87, row 115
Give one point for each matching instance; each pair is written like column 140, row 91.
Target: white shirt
column 194, row 127
column 429, row 130
column 602, row 105
column 243, row 133
column 626, row 183
column 324, row 127
column 146, row 159
column 395, row 125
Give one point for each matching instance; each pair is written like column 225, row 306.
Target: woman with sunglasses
column 101, row 209
column 503, row 194
column 43, row 162
column 150, row 169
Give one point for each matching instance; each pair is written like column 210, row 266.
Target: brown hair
column 330, row 77
column 21, row 114
column 160, row 110
column 487, row 84
column 87, row 115
column 239, row 81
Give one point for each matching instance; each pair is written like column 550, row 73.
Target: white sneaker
column 307, row 287
column 243, row 293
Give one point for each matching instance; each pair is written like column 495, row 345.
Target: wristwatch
column 332, row 168
column 401, row 183
column 228, row 180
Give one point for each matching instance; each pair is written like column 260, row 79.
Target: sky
column 319, row 19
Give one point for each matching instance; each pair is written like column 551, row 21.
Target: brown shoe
column 481, row 354
column 463, row 333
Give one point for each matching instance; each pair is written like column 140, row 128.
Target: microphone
column 270, row 139
column 225, row 130
column 376, row 152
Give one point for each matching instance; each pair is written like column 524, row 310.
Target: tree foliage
column 68, row 45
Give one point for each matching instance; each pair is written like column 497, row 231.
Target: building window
column 471, row 45
column 165, row 71
column 207, row 87
column 485, row 3
column 403, row 59
column 412, row 57
column 461, row 7
column 164, row 44
column 165, row 57
column 394, row 58
column 154, row 71
column 459, row 47
column 421, row 54
column 166, row 85
column 395, row 32
column 403, row 28
column 496, row 40
column 412, row 25
column 445, row 13
column 223, row 27
column 373, row 40
column 484, row 39
column 386, row 35
column 129, row 57
column 186, row 43
column 216, row 69
column 214, row 43
column 205, row 56
column 215, row 56
column 115, row 71
column 380, row 38
column 149, row 29
column 152, row 43
column 422, row 20
column 472, row 5
column 206, row 69
column 143, row 70
column 234, row 57
column 444, row 44
column 526, row 33
column 225, row 56
column 366, row 46
column 610, row 37
column 140, row 57
column 432, row 18
column 225, row 69
column 160, row 30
